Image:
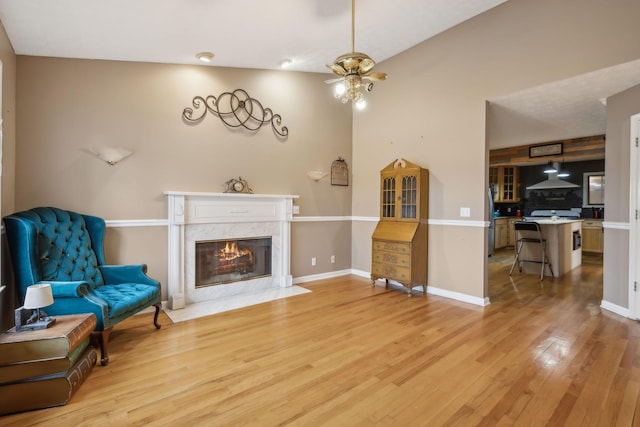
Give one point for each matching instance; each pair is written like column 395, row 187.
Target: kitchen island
column 564, row 241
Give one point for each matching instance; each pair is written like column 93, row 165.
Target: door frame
column 634, row 207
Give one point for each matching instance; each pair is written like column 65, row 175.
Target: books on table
column 43, row 368
column 47, row 390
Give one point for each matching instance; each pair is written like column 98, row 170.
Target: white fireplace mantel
column 197, row 216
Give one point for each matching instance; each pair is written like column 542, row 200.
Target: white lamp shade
column 38, row 296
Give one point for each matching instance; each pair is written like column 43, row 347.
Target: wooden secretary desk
column 399, row 242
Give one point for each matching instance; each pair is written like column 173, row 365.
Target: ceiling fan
column 355, row 69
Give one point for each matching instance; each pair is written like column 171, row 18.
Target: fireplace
column 226, row 261
column 201, row 225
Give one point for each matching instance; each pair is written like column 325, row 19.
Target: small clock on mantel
column 238, row 186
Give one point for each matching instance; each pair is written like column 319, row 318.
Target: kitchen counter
column 552, row 221
column 560, row 246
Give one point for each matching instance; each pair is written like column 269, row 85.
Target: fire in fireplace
column 227, row 261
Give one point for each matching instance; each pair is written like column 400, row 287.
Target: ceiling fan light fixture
column 354, row 70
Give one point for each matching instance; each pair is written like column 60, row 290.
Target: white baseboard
column 361, row 273
column 458, row 296
column 430, row 289
column 614, row 308
column 328, row 275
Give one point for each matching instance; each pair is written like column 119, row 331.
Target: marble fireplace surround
column 196, row 216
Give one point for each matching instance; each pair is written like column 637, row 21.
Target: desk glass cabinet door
column 401, row 193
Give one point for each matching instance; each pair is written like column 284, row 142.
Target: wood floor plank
column 348, row 354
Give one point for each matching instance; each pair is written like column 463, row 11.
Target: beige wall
column 7, row 182
column 431, row 110
column 139, row 245
column 331, row 235
column 8, row 58
column 616, row 240
column 620, row 108
column 67, row 106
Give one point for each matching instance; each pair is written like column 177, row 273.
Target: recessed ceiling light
column 205, row 56
column 285, row 63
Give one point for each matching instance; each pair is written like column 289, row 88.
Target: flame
column 231, row 251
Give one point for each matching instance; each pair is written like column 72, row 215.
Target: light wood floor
column 347, row 354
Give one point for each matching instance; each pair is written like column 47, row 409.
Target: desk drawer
column 402, row 248
column 592, row 224
column 391, row 272
column 398, row 259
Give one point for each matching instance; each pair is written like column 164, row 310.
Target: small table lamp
column 37, row 296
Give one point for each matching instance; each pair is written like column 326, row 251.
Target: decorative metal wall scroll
column 236, row 109
column 339, row 172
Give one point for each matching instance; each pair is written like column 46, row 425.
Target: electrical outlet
column 313, row 261
column 296, row 209
column 465, row 212
column 333, row 259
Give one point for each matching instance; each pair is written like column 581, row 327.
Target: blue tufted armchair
column 64, row 248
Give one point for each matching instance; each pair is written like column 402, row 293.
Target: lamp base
column 40, row 324
column 26, row 323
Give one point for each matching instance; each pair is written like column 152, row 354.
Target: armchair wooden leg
column 155, row 317
column 101, row 339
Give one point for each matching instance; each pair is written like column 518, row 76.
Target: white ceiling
column 311, row 33
column 564, row 109
column 241, row 33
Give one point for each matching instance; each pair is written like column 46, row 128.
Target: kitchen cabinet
column 592, row 236
column 399, row 241
column 505, row 182
column 504, row 233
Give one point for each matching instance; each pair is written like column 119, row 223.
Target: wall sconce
column 317, row 175
column 111, row 155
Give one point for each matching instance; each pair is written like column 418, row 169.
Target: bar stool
column 529, row 233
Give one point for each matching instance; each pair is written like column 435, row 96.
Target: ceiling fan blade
column 337, row 69
column 376, row 76
column 330, row 81
column 366, row 65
